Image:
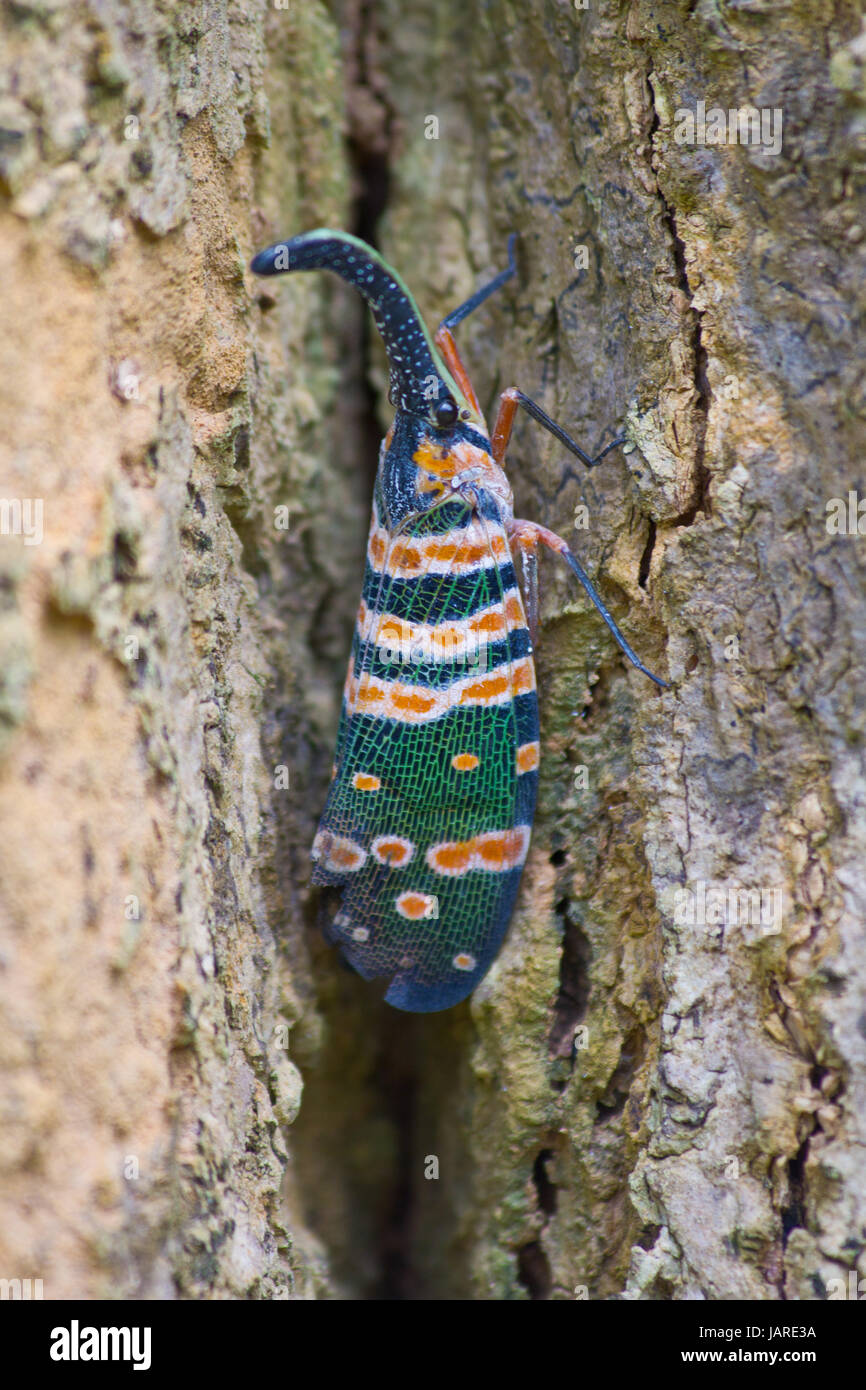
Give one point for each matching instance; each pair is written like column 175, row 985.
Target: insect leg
column 524, row 533
column 508, row 403
column 444, row 338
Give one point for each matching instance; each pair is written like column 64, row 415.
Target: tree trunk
column 658, row 1090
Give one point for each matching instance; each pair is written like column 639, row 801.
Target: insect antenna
column 471, row 304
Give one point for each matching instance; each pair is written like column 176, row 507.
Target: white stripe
column 452, row 639
column 413, row 557
column 419, row 704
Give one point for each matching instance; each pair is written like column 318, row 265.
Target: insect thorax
column 448, row 473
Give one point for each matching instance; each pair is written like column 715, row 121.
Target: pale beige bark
column 147, row 649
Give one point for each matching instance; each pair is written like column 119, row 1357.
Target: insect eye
column 446, row 413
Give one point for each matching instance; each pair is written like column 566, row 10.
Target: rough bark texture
column 168, row 647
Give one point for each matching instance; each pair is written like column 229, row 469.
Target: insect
column 427, row 822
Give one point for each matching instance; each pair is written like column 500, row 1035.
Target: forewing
column 427, row 821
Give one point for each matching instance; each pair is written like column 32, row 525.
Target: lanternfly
column 427, row 823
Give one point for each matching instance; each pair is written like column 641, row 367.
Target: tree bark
column 658, row 1091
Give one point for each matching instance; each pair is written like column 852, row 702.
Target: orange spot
column 369, row 694
column 344, row 857
column 431, row 457
column 444, row 550
column 425, row 484
column 453, row 858
column 463, row 961
column 489, row 622
column 389, row 436
column 522, row 677
column 405, row 556
column 393, row 632
column 528, row 755
column 377, row 549
column 492, row 851
column 366, row 782
column 336, row 852
column 392, row 851
column 501, row 850
column 514, row 611
column 412, row 701
column 486, row 689
column 464, row 762
column 414, row 905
